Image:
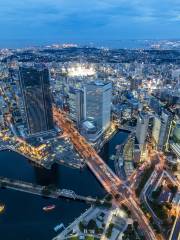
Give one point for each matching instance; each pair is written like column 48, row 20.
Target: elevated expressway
column 103, row 173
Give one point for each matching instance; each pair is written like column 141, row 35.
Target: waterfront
column 24, row 215
column 109, row 148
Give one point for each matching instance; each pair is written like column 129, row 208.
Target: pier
column 45, row 191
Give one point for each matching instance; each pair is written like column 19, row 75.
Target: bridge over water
column 109, row 180
column 45, row 190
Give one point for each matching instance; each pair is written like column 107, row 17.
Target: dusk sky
column 91, row 20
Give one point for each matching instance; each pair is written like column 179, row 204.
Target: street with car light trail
column 112, row 184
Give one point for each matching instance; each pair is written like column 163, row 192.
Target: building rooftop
column 88, row 125
column 98, row 83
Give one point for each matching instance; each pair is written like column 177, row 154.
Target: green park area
column 146, row 175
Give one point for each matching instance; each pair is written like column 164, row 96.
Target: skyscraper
column 155, row 105
column 142, row 127
column 156, row 130
column 161, row 129
column 132, row 83
column 142, row 133
column 166, row 123
column 76, row 105
column 35, row 88
column 98, row 104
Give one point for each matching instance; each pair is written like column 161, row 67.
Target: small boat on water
column 2, row 207
column 49, row 208
column 58, row 227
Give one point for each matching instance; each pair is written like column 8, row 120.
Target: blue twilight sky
column 71, row 20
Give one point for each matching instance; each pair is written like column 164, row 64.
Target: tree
column 135, row 224
column 117, row 196
column 168, row 205
column 109, row 230
column 147, row 173
column 174, row 189
column 156, row 227
column 125, row 208
column 174, row 168
column 92, row 225
column 81, row 227
column 157, row 192
column 109, row 197
column 99, row 231
column 107, row 204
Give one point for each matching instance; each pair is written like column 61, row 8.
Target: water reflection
column 24, row 218
column 45, row 177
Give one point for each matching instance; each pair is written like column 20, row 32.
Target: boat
column 2, row 207
column 49, row 208
column 58, row 227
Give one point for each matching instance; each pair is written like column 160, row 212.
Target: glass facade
column 98, row 104
column 35, row 87
column 142, row 127
column 76, row 104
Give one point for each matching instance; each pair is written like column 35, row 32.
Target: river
column 23, row 218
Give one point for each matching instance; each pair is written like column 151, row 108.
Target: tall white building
column 161, row 129
column 166, row 123
column 76, row 105
column 142, row 127
column 176, row 75
column 97, row 102
column 156, row 129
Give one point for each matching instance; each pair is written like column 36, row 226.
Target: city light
column 80, row 70
column 114, row 113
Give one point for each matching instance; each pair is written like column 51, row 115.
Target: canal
column 24, row 218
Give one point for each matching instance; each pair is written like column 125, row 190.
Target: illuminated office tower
column 76, row 105
column 132, row 83
column 161, row 129
column 166, row 124
column 35, row 88
column 142, row 127
column 155, row 105
column 142, row 133
column 156, row 130
column 98, row 104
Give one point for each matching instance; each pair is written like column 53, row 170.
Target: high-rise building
column 176, row 133
column 176, row 75
column 155, row 105
column 142, row 130
column 142, row 127
column 132, row 83
column 35, row 88
column 98, row 104
column 128, row 156
column 175, row 142
column 156, row 130
column 166, row 123
column 76, row 105
column 161, row 129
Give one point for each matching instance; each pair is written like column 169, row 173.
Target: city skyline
column 90, row 120
column 124, row 133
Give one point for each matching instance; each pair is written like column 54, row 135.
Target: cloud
column 44, row 17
